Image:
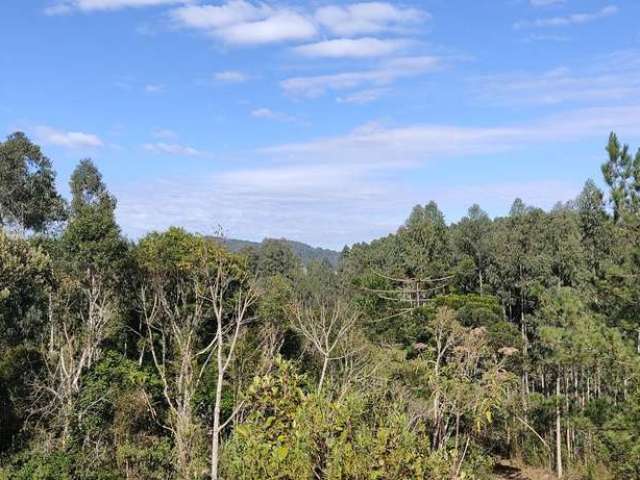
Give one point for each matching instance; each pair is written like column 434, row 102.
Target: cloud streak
column 545, row 3
column 385, row 74
column 408, row 146
column 67, row 139
column 268, row 114
column 368, row 17
column 172, row 149
column 613, row 78
column 230, row 76
column 568, row 20
column 87, row 6
column 351, row 48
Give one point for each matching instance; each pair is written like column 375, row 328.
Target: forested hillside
column 433, row 353
column 306, row 253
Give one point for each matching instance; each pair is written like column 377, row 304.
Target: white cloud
column 230, row 76
column 545, row 3
column 67, row 139
column 153, row 88
column 363, row 96
column 268, row 114
column 368, row 17
column 171, row 149
column 299, row 201
column 243, row 23
column 572, row 19
column 279, row 27
column 69, row 6
column 381, row 147
column 353, row 48
column 386, row 73
column 361, row 176
column 210, row 17
column 615, row 77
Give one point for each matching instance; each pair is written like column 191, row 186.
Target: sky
column 321, row 121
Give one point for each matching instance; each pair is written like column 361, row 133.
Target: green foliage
column 41, row 466
column 291, row 435
column 277, row 258
column 25, row 274
column 28, row 196
column 515, row 337
column 622, row 174
column 92, row 240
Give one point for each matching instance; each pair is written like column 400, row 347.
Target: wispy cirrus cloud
column 154, row 88
column 363, row 97
column 67, row 138
column 368, row 17
column 615, row 77
column 352, row 48
column 382, row 147
column 172, row 149
column 69, row 6
column 546, row 3
column 268, row 114
column 385, row 74
column 230, row 76
column 568, row 20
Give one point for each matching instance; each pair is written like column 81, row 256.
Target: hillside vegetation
column 433, row 353
column 306, row 253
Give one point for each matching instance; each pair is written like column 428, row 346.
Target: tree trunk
column 325, row 363
column 215, row 434
column 558, row 431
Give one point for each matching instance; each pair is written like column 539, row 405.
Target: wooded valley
column 435, row 352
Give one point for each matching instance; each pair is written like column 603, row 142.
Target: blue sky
column 321, row 121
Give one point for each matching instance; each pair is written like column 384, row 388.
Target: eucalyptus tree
column 84, row 309
column 426, row 250
column 28, row 196
column 473, row 238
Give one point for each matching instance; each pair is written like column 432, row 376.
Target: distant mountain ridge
column 305, row 252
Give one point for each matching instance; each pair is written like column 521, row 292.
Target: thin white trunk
column 215, row 434
column 558, row 431
column 325, row 363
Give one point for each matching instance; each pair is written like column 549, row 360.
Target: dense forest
column 304, row 252
column 436, row 352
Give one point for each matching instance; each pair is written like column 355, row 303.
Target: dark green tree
column 28, row 196
column 622, row 174
column 595, row 230
column 277, row 258
column 472, row 238
column 92, row 241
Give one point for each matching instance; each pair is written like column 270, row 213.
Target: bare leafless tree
column 230, row 318
column 326, row 327
column 77, row 330
column 174, row 323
